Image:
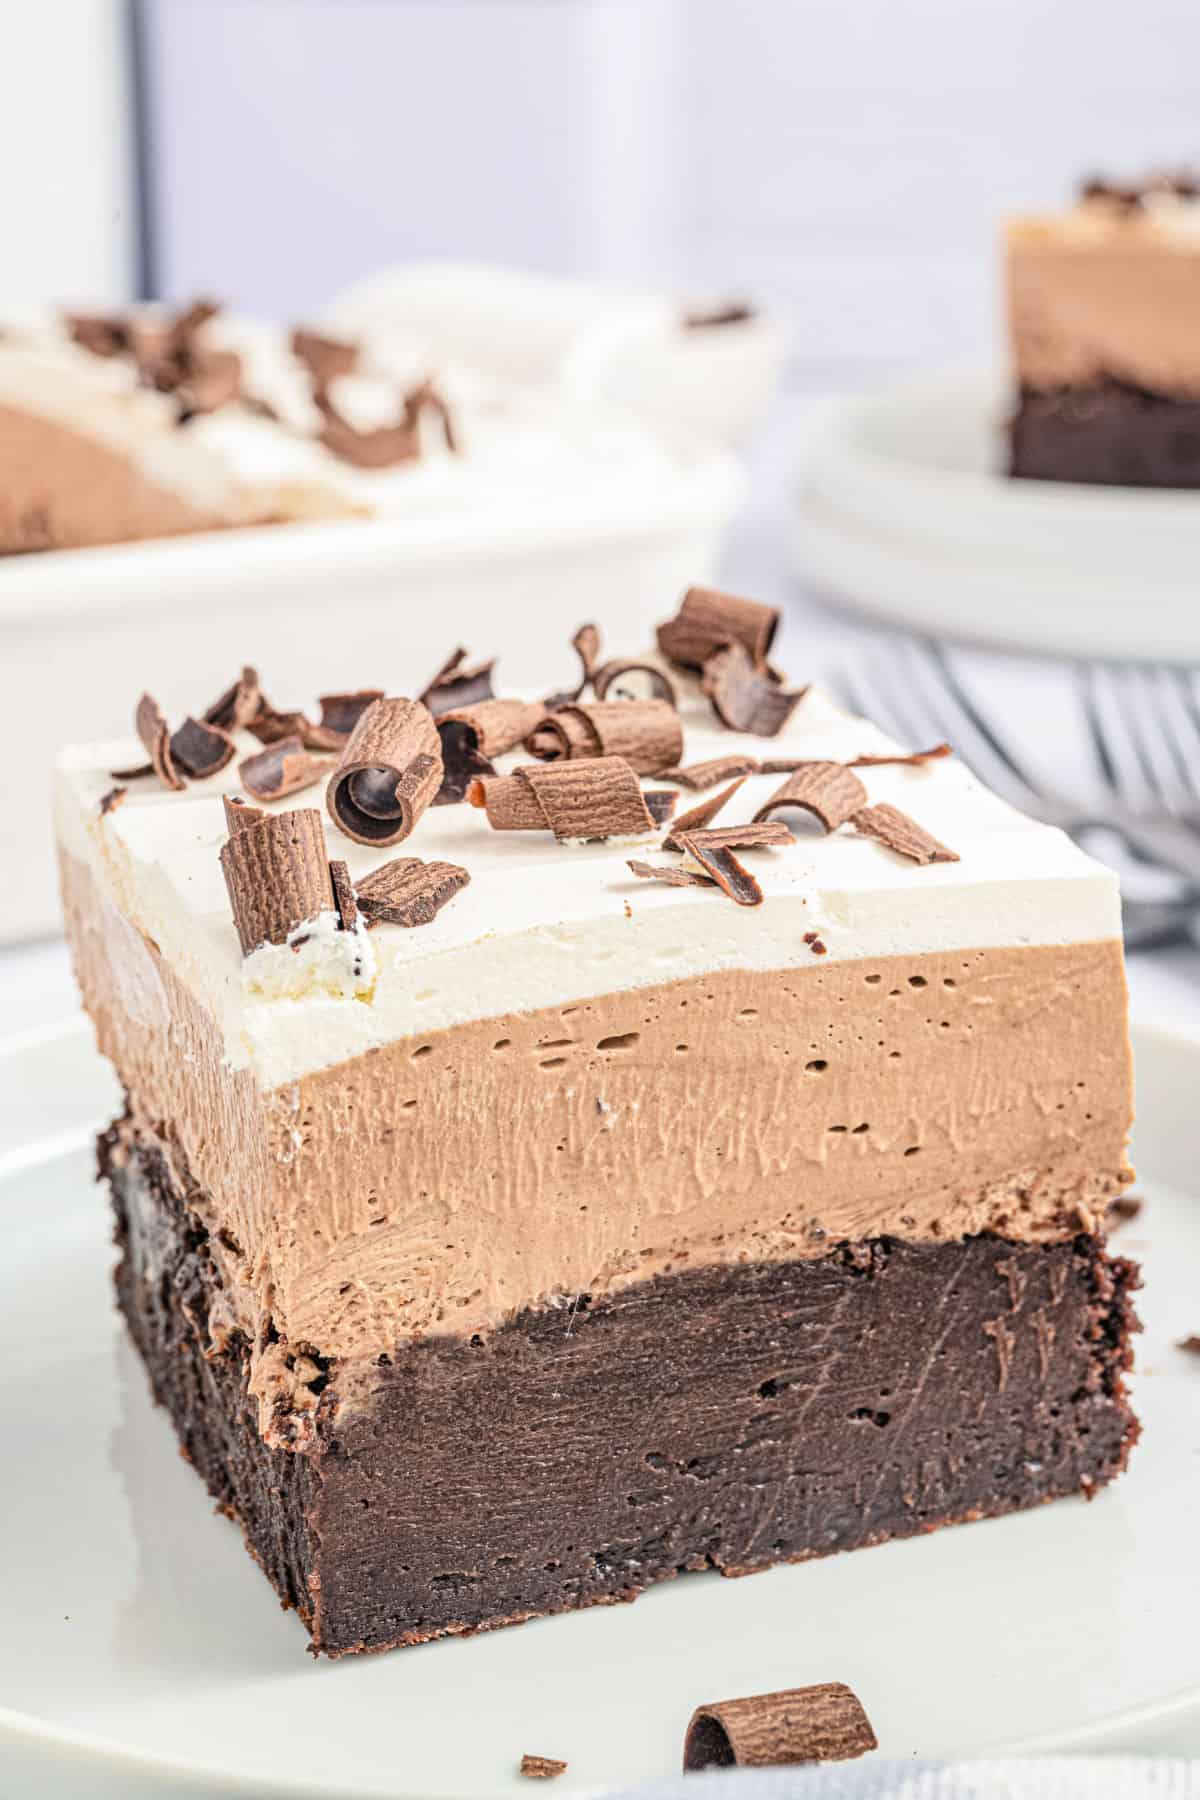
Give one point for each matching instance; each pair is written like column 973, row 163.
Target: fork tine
column 969, row 730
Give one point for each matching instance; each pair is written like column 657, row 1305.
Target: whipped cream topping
column 544, row 925
column 517, row 441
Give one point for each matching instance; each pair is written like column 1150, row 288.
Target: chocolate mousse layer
column 1109, row 434
column 714, row 1417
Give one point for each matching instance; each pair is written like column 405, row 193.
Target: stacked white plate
column 905, row 512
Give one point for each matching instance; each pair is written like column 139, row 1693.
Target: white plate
column 904, row 512
column 142, row 1654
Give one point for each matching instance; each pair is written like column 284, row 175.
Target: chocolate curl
column 325, row 358
column 827, row 790
column 703, row 775
column 704, row 814
column 803, row 1725
column 647, row 733
column 239, row 814
column 708, row 619
column 201, row 749
column 382, row 448
column 238, row 704
column 454, row 687
column 277, row 873
column 152, row 729
column 769, row 834
column 497, row 725
column 390, row 770
column 343, row 895
column 898, row 832
column 670, row 874
column 728, row 873
column 283, row 768
column 597, row 798
column 270, row 726
column 913, row 759
column 408, row 891
column 746, row 697
column 633, row 681
column 340, row 713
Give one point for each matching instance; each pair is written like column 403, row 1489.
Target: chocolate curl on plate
column 703, row 775
column 152, row 729
column 829, row 791
column 708, row 619
column 599, row 797
column 201, row 749
column 283, row 768
column 898, row 832
column 647, row 733
column 455, row 687
column 818, row 1724
column 746, row 697
column 408, row 891
column 390, row 770
column 277, row 873
column 235, row 708
column 622, row 680
column 325, row 358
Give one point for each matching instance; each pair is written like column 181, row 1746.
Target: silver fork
column 1144, row 725
column 913, row 691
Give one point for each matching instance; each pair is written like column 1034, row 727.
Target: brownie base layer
column 1109, row 435
column 715, row 1418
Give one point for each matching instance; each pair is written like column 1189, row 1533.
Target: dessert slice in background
column 523, row 1201
column 1104, row 317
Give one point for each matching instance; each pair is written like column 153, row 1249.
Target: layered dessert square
column 568, row 1143
column 1104, row 318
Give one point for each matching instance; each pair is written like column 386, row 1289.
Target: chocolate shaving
column 1124, row 1208
column 454, row 688
column 805, row 1725
column 708, row 620
column 283, row 768
column 597, row 798
column 898, row 832
column 497, row 725
column 340, row 713
column 238, row 704
column 728, row 873
column 270, row 726
column 827, row 790
column 614, row 679
column 390, row 770
column 670, row 874
column 324, row 357
column 1191, row 1344
column 787, row 765
column 239, row 813
column 702, row 775
column 461, row 761
column 660, row 803
column 426, row 397
column 277, row 874
column 382, row 448
column 103, row 335
column 343, row 895
column 408, row 891
column 732, row 312
column 201, row 749
column 700, row 816
column 114, row 797
column 152, row 729
column 646, row 733
column 746, row 697
column 208, row 380
column 542, row 1768
column 766, row 834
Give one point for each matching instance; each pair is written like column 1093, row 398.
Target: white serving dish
column 904, row 512
column 320, row 607
column 145, row 1656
